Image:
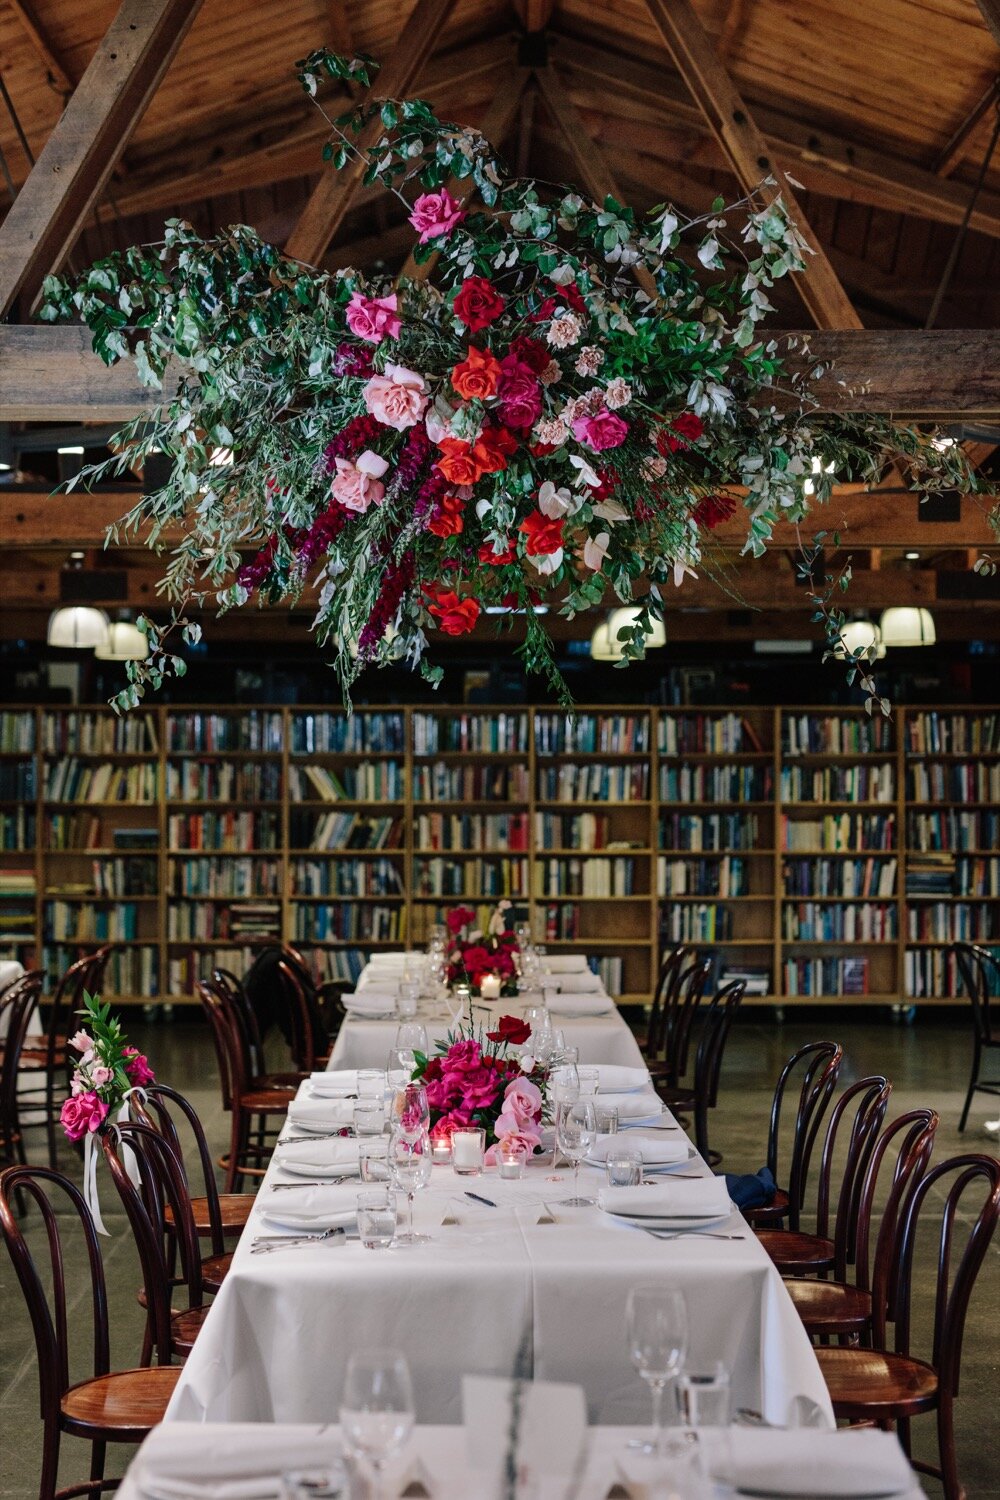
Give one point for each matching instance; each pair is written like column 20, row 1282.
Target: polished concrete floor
column 927, row 1063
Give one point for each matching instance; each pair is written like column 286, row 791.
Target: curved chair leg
column 977, row 1057
column 946, row 1450
column 98, row 1452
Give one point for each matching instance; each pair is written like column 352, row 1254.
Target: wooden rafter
column 991, row 15
column 962, row 138
column 331, row 198
column 87, row 143
column 54, row 67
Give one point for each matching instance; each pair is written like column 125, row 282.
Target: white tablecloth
column 480, row 1294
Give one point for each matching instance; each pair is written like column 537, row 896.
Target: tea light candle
column 489, row 987
column 467, row 1149
column 441, row 1152
column 511, row 1157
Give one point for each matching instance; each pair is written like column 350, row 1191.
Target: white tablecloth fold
column 617, row 1080
column 321, row 1114
column 340, row 1084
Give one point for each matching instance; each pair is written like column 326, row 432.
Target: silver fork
column 286, row 1187
column 264, row 1243
column 692, row 1234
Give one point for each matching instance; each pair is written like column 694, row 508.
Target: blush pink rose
column 398, row 398
column 137, row 1067
column 81, row 1042
column 600, row 430
column 100, row 1075
column 358, row 485
column 84, row 1113
column 434, row 214
column 373, row 318
column 529, row 1139
column 522, row 1103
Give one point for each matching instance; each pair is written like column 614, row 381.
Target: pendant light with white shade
column 861, row 636
column 604, row 643
column 126, row 642
column 907, row 625
column 78, row 627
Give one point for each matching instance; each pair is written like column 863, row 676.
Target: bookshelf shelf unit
column 619, row 833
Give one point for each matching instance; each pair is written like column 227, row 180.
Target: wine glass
column 656, row 1318
column 411, row 1036
column 576, row 1132
column 376, row 1408
column 399, row 1065
column 410, row 1162
column 410, row 1112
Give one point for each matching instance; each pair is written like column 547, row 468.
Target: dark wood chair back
column 234, row 992
column 230, row 1058
column 300, row 1013
column 680, row 1006
column 858, row 1112
column 671, row 964
column 717, row 1021
column 911, row 1139
column 818, row 1065
column 162, row 1104
column 66, row 1000
column 17, row 1003
column 980, row 972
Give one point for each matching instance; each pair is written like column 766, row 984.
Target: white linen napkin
column 369, row 1003
column 336, row 1085
column 566, row 963
column 342, row 1152
column 657, row 1150
column 321, row 1114
column 393, row 960
column 839, row 1464
column 579, row 980
column 705, row 1199
column 591, row 1004
column 379, row 984
column 612, row 1078
column 642, row 1105
column 244, row 1461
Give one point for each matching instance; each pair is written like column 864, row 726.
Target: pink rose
column 84, row 1113
column 81, row 1042
column 398, row 398
column 519, row 394
column 358, row 485
column 436, row 213
column 373, row 318
column 601, row 430
column 100, row 1075
column 529, row 1139
column 137, row 1067
column 523, row 1101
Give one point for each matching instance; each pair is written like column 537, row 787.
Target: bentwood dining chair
column 217, row 1216
column 249, row 1108
column 682, row 992
column 859, row 1111
column 234, row 992
column 108, row 1406
column 703, row 1092
column 892, row 1386
column 818, row 1065
column 652, row 1040
column 842, row 1309
column 980, row 971
column 17, row 1004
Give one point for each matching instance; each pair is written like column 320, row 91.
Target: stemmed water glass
column 376, row 1408
column 576, row 1132
column 398, row 1067
column 410, row 1112
column 657, row 1324
column 411, row 1036
column 410, row 1162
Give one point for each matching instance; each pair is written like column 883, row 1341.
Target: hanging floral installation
column 560, row 413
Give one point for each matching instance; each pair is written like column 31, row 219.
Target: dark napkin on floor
column 751, row 1189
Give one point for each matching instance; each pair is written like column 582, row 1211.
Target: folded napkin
column 393, row 960
column 580, row 980
column 615, row 1079
column 638, row 1106
column 342, row 1152
column 385, row 986
column 321, row 1114
column 751, row 1189
column 242, row 1461
column 841, row 1465
column 331, row 1198
column 369, row 1003
column 657, row 1150
column 567, row 963
column 705, row 1199
column 336, row 1085
column 591, row 1004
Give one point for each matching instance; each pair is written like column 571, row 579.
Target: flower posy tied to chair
column 561, row 411
column 107, row 1072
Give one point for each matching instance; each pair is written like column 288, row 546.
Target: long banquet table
column 481, row 1294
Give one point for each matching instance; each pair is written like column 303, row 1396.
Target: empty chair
column 891, row 1386
column 235, row 993
column 249, row 1108
column 844, row 1309
column 980, row 971
column 283, row 992
column 819, row 1066
column 117, row 1406
column 703, row 1092
column 652, row 1040
column 216, row 1215
column 681, row 993
column 17, row 1004
column 860, row 1111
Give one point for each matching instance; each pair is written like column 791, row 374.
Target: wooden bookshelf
column 816, row 850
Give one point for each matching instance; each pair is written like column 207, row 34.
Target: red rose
column 459, row 917
column 455, row 616
column 520, row 395
column 682, row 432
column 447, row 518
column 510, row 1029
column 493, row 448
column 477, row 376
column 498, row 559
column 478, row 303
column 712, row 509
column 544, row 534
column 531, row 352
column 458, row 463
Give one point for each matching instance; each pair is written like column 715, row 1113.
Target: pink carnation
column 436, row 214
column 85, row 1112
column 373, row 318
column 358, row 485
column 601, row 430
column 398, row 398
column 137, row 1067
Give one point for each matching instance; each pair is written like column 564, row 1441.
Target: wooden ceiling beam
column 331, row 198
column 960, row 143
column 87, row 143
column 991, row 15
column 57, row 73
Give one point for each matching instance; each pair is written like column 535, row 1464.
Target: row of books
column 560, row 923
column 207, row 876
column 700, row 832
column 964, row 781
column 936, row 732
column 608, row 734
column 848, row 831
column 726, row 877
column 826, row 976
column 501, row 733
column 99, row 734
column 696, row 922
column 953, row 829
column 470, row 877
column 254, row 729
column 816, row 922
column 586, row 877
column 593, row 782
column 17, row 732
column 344, row 830
column 611, row 970
column 484, row 783
column 860, row 783
column 839, row 877
column 952, row 922
column 368, row 781
column 339, row 734
column 202, row 921
column 834, row 734
column 125, row 876
column 349, row 923
column 934, row 972
column 224, row 831
column 18, row 781
column 223, row 781
column 710, row 783
column 75, row 780
column 15, row 881
column 707, row 734
column 930, row 874
column 977, row 877
column 18, row 828
column 755, row 978
column 185, row 969
column 328, row 877
column 472, row 831
column 73, row 921
column 572, row 830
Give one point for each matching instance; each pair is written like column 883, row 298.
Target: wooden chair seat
column 214, row 1269
column 874, row 1385
column 234, row 1207
column 282, row 1083
column 121, row 1407
column 185, row 1327
column 797, row 1254
column 266, row 1101
column 830, row 1307
column 770, row 1214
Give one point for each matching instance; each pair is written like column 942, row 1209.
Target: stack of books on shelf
column 585, row 877
column 18, row 828
column 345, row 831
column 17, row 906
column 368, row 781
column 826, row 976
column 930, row 874
column 74, row 780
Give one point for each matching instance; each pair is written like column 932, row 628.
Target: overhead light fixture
column 783, row 648
column 860, row 636
column 4, row 468
column 509, row 609
column 912, row 556
column 907, row 625
column 125, row 642
column 817, row 468
column 605, row 644
column 78, row 627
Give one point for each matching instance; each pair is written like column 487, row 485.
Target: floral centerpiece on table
column 106, row 1071
column 475, row 1079
column 559, row 405
column 475, row 954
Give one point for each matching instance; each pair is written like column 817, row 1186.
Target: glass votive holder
column 512, row 1158
column 468, row 1148
column 606, row 1118
column 369, row 1117
column 371, row 1083
column 376, row 1209
column 490, row 986
column 441, row 1151
column 589, row 1081
column 624, row 1167
column 373, row 1159
column 703, row 1396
